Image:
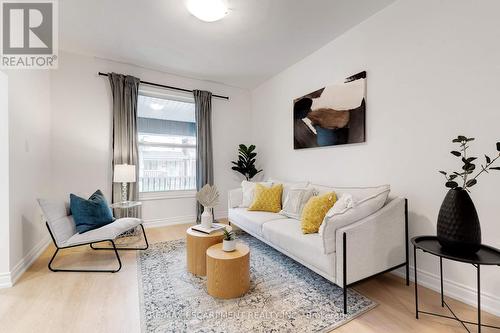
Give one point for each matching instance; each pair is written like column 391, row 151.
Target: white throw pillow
column 248, row 189
column 295, row 202
column 348, row 209
column 287, row 186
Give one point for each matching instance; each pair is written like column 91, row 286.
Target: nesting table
column 487, row 255
column 197, row 244
column 228, row 273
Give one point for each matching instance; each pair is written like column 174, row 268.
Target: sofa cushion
column 248, row 189
column 295, row 202
column 287, row 235
column 288, row 186
column 315, row 210
column 350, row 210
column 267, row 199
column 252, row 220
column 358, row 193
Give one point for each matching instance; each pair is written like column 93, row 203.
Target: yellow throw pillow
column 315, row 210
column 267, row 199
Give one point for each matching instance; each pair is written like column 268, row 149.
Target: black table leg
column 478, row 298
column 441, row 275
column 416, row 284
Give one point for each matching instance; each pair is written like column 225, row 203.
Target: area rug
column 284, row 296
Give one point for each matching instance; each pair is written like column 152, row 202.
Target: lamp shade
column 124, row 173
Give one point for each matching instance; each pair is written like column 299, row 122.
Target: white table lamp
column 124, row 173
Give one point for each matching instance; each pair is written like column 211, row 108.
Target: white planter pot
column 206, row 218
column 229, row 246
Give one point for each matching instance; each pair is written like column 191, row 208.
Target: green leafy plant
column 246, row 161
column 469, row 166
column 228, row 235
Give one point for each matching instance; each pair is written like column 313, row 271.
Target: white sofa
column 347, row 248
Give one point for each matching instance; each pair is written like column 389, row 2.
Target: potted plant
column 246, row 161
column 228, row 241
column 208, row 197
column 458, row 227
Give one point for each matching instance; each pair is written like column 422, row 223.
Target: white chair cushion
column 287, row 235
column 249, row 190
column 107, row 232
column 60, row 222
column 251, row 220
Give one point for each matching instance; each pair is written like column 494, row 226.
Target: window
column 167, row 144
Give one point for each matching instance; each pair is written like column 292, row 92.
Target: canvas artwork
column 334, row 115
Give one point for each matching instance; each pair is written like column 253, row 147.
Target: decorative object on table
column 458, row 226
column 124, row 173
column 91, row 213
column 278, row 284
column 330, row 116
column 213, row 228
column 197, row 244
column 228, row 273
column 246, row 161
column 486, row 255
column 229, row 241
column 208, row 197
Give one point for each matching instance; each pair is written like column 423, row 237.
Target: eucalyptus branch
column 468, row 167
column 464, row 149
column 485, row 168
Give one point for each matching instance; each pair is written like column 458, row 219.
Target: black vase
column 458, row 228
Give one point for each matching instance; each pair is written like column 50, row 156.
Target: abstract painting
column 331, row 116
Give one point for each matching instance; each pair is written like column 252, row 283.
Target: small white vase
column 206, row 218
column 229, row 246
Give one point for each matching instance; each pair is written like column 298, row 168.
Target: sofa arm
column 235, row 198
column 374, row 244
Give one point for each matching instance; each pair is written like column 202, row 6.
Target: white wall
column 433, row 72
column 29, row 163
column 82, row 123
column 4, row 180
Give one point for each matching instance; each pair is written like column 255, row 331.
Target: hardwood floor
column 42, row 301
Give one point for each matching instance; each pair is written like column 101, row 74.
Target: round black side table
column 487, row 255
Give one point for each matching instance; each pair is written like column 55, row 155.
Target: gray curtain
column 204, row 158
column 125, row 89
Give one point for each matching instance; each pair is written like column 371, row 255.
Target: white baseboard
column 157, row 223
column 164, row 222
column 5, row 280
column 9, row 279
column 489, row 303
column 221, row 214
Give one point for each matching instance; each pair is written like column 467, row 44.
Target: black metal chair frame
column 113, row 248
column 405, row 264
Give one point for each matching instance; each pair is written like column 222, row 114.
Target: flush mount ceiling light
column 207, row 10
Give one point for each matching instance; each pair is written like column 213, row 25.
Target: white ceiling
column 258, row 39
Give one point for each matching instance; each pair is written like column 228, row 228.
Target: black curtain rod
column 169, row 87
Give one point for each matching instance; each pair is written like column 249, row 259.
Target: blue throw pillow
column 92, row 213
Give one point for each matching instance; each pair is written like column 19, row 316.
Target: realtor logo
column 29, row 34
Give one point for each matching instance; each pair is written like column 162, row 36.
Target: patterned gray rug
column 284, row 296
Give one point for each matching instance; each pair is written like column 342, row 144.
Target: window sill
column 148, row 196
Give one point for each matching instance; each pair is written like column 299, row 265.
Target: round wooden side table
column 197, row 244
column 228, row 273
